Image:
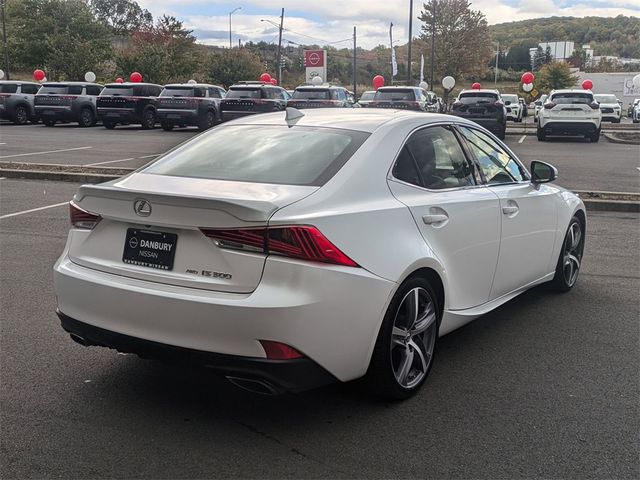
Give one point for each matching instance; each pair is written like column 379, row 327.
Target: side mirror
column 542, row 172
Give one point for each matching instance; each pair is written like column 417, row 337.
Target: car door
column 458, row 217
column 529, row 214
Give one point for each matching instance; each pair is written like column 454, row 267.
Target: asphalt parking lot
column 545, row 386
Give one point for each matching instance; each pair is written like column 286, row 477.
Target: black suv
column 247, row 98
column 327, row 96
column 68, row 102
column 485, row 107
column 190, row 104
column 405, row 98
column 16, row 101
column 127, row 103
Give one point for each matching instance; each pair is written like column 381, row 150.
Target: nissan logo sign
column 142, row 208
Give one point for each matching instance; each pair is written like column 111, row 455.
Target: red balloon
column 274, row 81
column 265, row 77
column 527, row 77
column 38, row 75
column 119, row 80
column 587, row 84
column 476, row 86
column 378, row 81
column 136, row 77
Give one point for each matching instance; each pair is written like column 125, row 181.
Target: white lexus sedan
column 289, row 250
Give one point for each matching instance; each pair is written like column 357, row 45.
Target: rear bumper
column 492, row 124
column 569, row 128
column 275, row 376
column 118, row 116
column 57, row 113
column 188, row 117
column 233, row 114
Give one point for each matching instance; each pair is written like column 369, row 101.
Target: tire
column 49, row 122
column 595, row 137
column 109, row 124
column 148, row 119
column 208, row 122
column 21, row 115
column 570, row 259
column 401, row 360
column 87, row 118
column 540, row 134
column 166, row 126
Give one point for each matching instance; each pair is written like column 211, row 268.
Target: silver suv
column 68, row 102
column 16, row 101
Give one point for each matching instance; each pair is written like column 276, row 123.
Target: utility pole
column 279, row 76
column 495, row 80
column 355, row 80
column 4, row 40
column 409, row 53
column 433, row 41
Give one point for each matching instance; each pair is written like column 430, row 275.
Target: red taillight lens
column 304, row 242
column 279, row 351
column 81, row 218
column 549, row 105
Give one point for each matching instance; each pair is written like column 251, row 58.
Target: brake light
column 303, row 242
column 82, row 219
column 549, row 105
column 279, row 351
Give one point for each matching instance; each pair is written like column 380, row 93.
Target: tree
column 230, row 66
column 548, row 57
column 538, row 58
column 462, row 43
column 555, row 75
column 122, row 16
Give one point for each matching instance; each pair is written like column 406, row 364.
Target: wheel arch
column 435, row 280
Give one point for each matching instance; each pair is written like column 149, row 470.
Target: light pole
column 279, row 54
column 231, row 13
column 409, row 52
column 4, row 40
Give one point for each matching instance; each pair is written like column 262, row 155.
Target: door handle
column 510, row 209
column 434, row 219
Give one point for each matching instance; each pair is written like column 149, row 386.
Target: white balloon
column 424, row 85
column 90, row 77
column 1, row 74
column 316, row 80
column 636, row 81
column 527, row 87
column 192, row 81
column 448, row 82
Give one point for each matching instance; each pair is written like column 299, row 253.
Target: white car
column 287, row 253
column 570, row 112
column 513, row 106
column 635, row 112
column 537, row 106
column 610, row 107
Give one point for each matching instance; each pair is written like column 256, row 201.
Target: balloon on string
column 476, row 86
column 136, row 77
column 316, row 80
column 119, row 80
column 265, row 77
column 274, row 81
column 448, row 82
column 636, row 81
column 587, row 84
column 38, row 75
column 192, row 81
column 527, row 77
column 424, row 85
column 527, row 87
column 90, row 77
column 378, row 81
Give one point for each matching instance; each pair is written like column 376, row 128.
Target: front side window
column 93, row 90
column 496, row 164
column 432, row 158
column 75, row 90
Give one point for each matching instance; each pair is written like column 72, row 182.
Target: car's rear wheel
column 49, row 122
column 87, row 119
column 404, row 351
column 109, row 124
column 540, row 134
column 167, row 126
column 148, row 119
column 570, row 258
column 209, row 121
column 20, row 115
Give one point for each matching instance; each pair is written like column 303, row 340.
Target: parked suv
column 185, row 104
column 127, row 103
column 513, row 106
column 485, row 107
column 405, row 98
column 537, row 106
column 570, row 112
column 610, row 108
column 248, row 98
column 366, row 98
column 321, row 96
column 16, row 101
column 68, row 102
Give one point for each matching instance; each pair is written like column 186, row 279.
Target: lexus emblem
column 142, row 208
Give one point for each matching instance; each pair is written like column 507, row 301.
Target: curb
column 613, row 139
column 57, row 176
column 594, row 205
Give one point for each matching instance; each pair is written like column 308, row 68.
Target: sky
column 332, row 21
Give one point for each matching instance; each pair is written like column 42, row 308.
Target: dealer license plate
column 148, row 248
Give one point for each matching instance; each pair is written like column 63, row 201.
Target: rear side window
column 75, row 90
column 214, row 93
column 264, row 154
column 93, row 90
column 572, row 98
column 244, row 93
column 396, row 94
column 30, row 89
column 9, row 88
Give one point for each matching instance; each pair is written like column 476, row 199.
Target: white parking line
column 43, row 153
column 153, row 155
column 33, row 210
column 522, row 139
column 110, row 161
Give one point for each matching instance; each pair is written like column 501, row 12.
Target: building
column 561, row 51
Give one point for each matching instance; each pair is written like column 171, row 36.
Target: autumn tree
column 230, row 66
column 555, row 75
column 462, row 42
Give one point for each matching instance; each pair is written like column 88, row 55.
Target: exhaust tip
column 252, row 385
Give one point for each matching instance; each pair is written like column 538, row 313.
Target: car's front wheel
column 540, row 134
column 570, row 258
column 404, row 351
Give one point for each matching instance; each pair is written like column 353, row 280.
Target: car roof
column 132, row 84
column 53, row 84
column 319, row 87
column 394, row 87
column 570, row 90
column 359, row 119
column 12, row 82
column 204, row 85
column 481, row 90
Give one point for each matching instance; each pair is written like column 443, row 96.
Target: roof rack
column 252, row 82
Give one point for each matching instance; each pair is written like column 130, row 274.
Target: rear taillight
column 279, row 351
column 303, row 242
column 82, row 219
column 549, row 105
column 594, row 105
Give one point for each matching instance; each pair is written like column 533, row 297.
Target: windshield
column 606, row 98
column 315, row 94
column 572, row 98
column 263, row 154
column 183, row 92
column 510, row 98
column 243, row 93
column 117, row 91
column 478, row 97
column 368, row 96
column 396, row 94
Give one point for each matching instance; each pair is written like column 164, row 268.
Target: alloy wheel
column 21, row 115
column 572, row 254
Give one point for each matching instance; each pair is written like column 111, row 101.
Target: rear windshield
column 9, row 88
column 243, row 93
column 315, row 94
column 478, row 97
column 572, row 98
column 368, row 96
column 183, row 92
column 60, row 90
column 510, row 98
column 263, row 154
column 117, row 91
column 396, row 94
column 606, row 98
